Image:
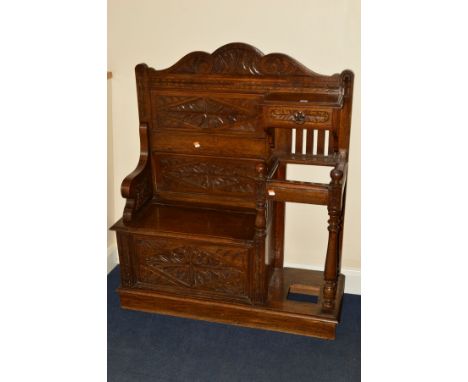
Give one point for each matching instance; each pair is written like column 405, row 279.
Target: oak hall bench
column 202, row 232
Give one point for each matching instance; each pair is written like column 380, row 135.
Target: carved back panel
column 209, row 119
column 207, row 112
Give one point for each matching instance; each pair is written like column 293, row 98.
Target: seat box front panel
column 191, row 266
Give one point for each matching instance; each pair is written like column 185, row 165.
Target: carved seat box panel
column 220, row 113
column 205, row 144
column 191, row 266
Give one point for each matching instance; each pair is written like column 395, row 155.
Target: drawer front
column 205, row 144
column 290, row 116
column 205, row 175
column 190, row 266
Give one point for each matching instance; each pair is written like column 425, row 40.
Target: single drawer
column 205, row 144
column 191, row 266
column 296, row 116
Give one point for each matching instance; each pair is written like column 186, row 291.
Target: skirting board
column 353, row 276
column 112, row 257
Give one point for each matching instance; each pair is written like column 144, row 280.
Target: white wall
column 112, row 258
column 324, row 35
column 110, row 167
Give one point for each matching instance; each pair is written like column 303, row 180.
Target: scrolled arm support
column 136, row 187
column 338, row 174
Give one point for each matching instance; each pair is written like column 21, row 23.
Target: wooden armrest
column 136, row 187
column 295, row 191
column 307, row 159
column 283, row 190
column 307, row 192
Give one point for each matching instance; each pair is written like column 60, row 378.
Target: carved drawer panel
column 200, row 267
column 213, row 176
column 226, row 113
column 205, row 144
column 295, row 116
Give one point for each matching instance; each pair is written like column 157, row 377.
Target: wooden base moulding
column 278, row 314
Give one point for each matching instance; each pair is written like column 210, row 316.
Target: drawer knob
column 299, row 117
column 196, row 145
column 271, row 192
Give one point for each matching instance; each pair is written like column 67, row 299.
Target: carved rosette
column 188, row 266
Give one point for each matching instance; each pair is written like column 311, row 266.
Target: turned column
column 279, row 222
column 334, row 227
column 259, row 273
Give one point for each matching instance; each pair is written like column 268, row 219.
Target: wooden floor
column 278, row 314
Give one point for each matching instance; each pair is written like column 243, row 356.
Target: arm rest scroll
column 137, row 187
column 338, row 180
column 339, row 172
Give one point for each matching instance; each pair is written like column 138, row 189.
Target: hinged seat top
column 190, row 221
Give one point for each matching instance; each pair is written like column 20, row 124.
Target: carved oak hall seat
column 202, row 232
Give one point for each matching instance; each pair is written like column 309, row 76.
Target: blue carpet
column 151, row 347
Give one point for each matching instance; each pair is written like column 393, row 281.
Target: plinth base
column 278, row 314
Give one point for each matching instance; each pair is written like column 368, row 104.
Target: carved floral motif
column 239, row 59
column 191, row 267
column 206, row 113
column 142, row 192
column 311, row 116
column 207, row 176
